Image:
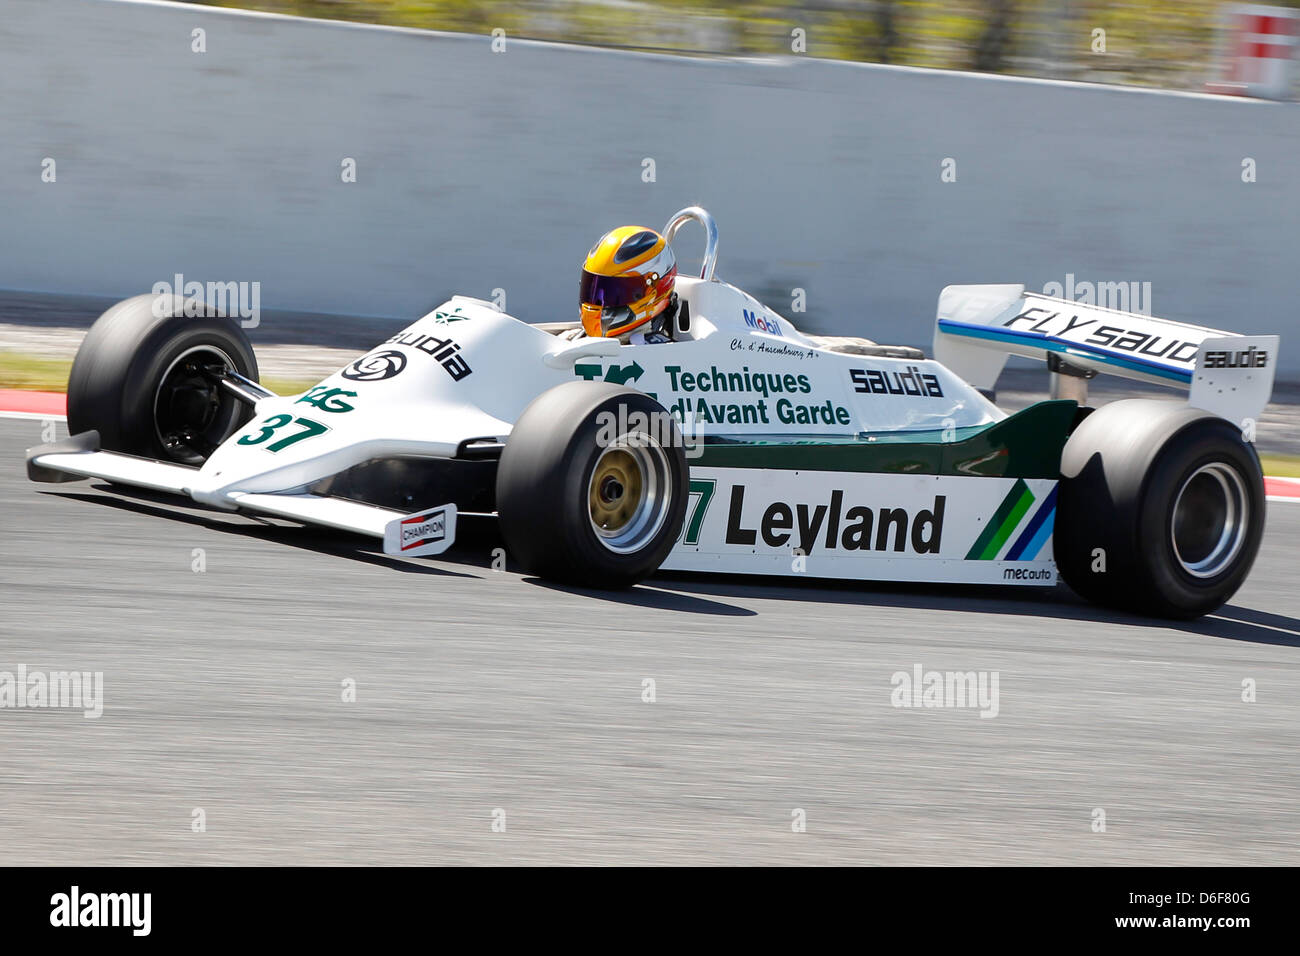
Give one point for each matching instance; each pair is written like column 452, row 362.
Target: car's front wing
column 430, row 531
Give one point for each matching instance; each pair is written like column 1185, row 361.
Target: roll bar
column 701, row 215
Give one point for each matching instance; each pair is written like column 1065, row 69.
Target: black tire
column 551, row 497
column 1172, row 496
column 137, row 379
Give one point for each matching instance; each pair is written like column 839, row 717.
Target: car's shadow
column 1230, row 622
column 307, row 537
column 476, row 539
column 477, row 542
column 651, row 594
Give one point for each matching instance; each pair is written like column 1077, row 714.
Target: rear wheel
column 1161, row 509
column 147, row 379
column 591, row 487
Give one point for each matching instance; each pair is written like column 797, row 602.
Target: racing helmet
column 627, row 280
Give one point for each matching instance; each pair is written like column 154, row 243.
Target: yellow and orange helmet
column 627, row 280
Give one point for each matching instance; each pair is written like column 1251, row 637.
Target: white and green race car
column 741, row 446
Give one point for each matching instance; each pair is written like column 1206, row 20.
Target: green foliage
column 1147, row 42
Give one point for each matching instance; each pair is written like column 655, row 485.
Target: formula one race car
column 742, row 445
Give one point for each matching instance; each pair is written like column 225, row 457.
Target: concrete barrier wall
column 479, row 170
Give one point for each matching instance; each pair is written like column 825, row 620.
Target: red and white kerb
column 1255, row 48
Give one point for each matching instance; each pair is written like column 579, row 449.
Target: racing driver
column 627, row 287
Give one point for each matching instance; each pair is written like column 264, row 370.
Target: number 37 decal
column 306, row 429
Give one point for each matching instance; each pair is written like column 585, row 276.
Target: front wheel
column 147, row 379
column 591, row 487
column 1161, row 509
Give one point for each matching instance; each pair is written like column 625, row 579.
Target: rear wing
column 979, row 326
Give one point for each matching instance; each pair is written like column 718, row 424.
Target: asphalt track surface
column 479, row 690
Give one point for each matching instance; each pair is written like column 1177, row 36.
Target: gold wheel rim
column 616, row 491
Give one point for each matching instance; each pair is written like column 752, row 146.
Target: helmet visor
column 611, row 292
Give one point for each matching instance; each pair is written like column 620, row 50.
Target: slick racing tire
column 592, row 485
column 1161, row 509
column 144, row 379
